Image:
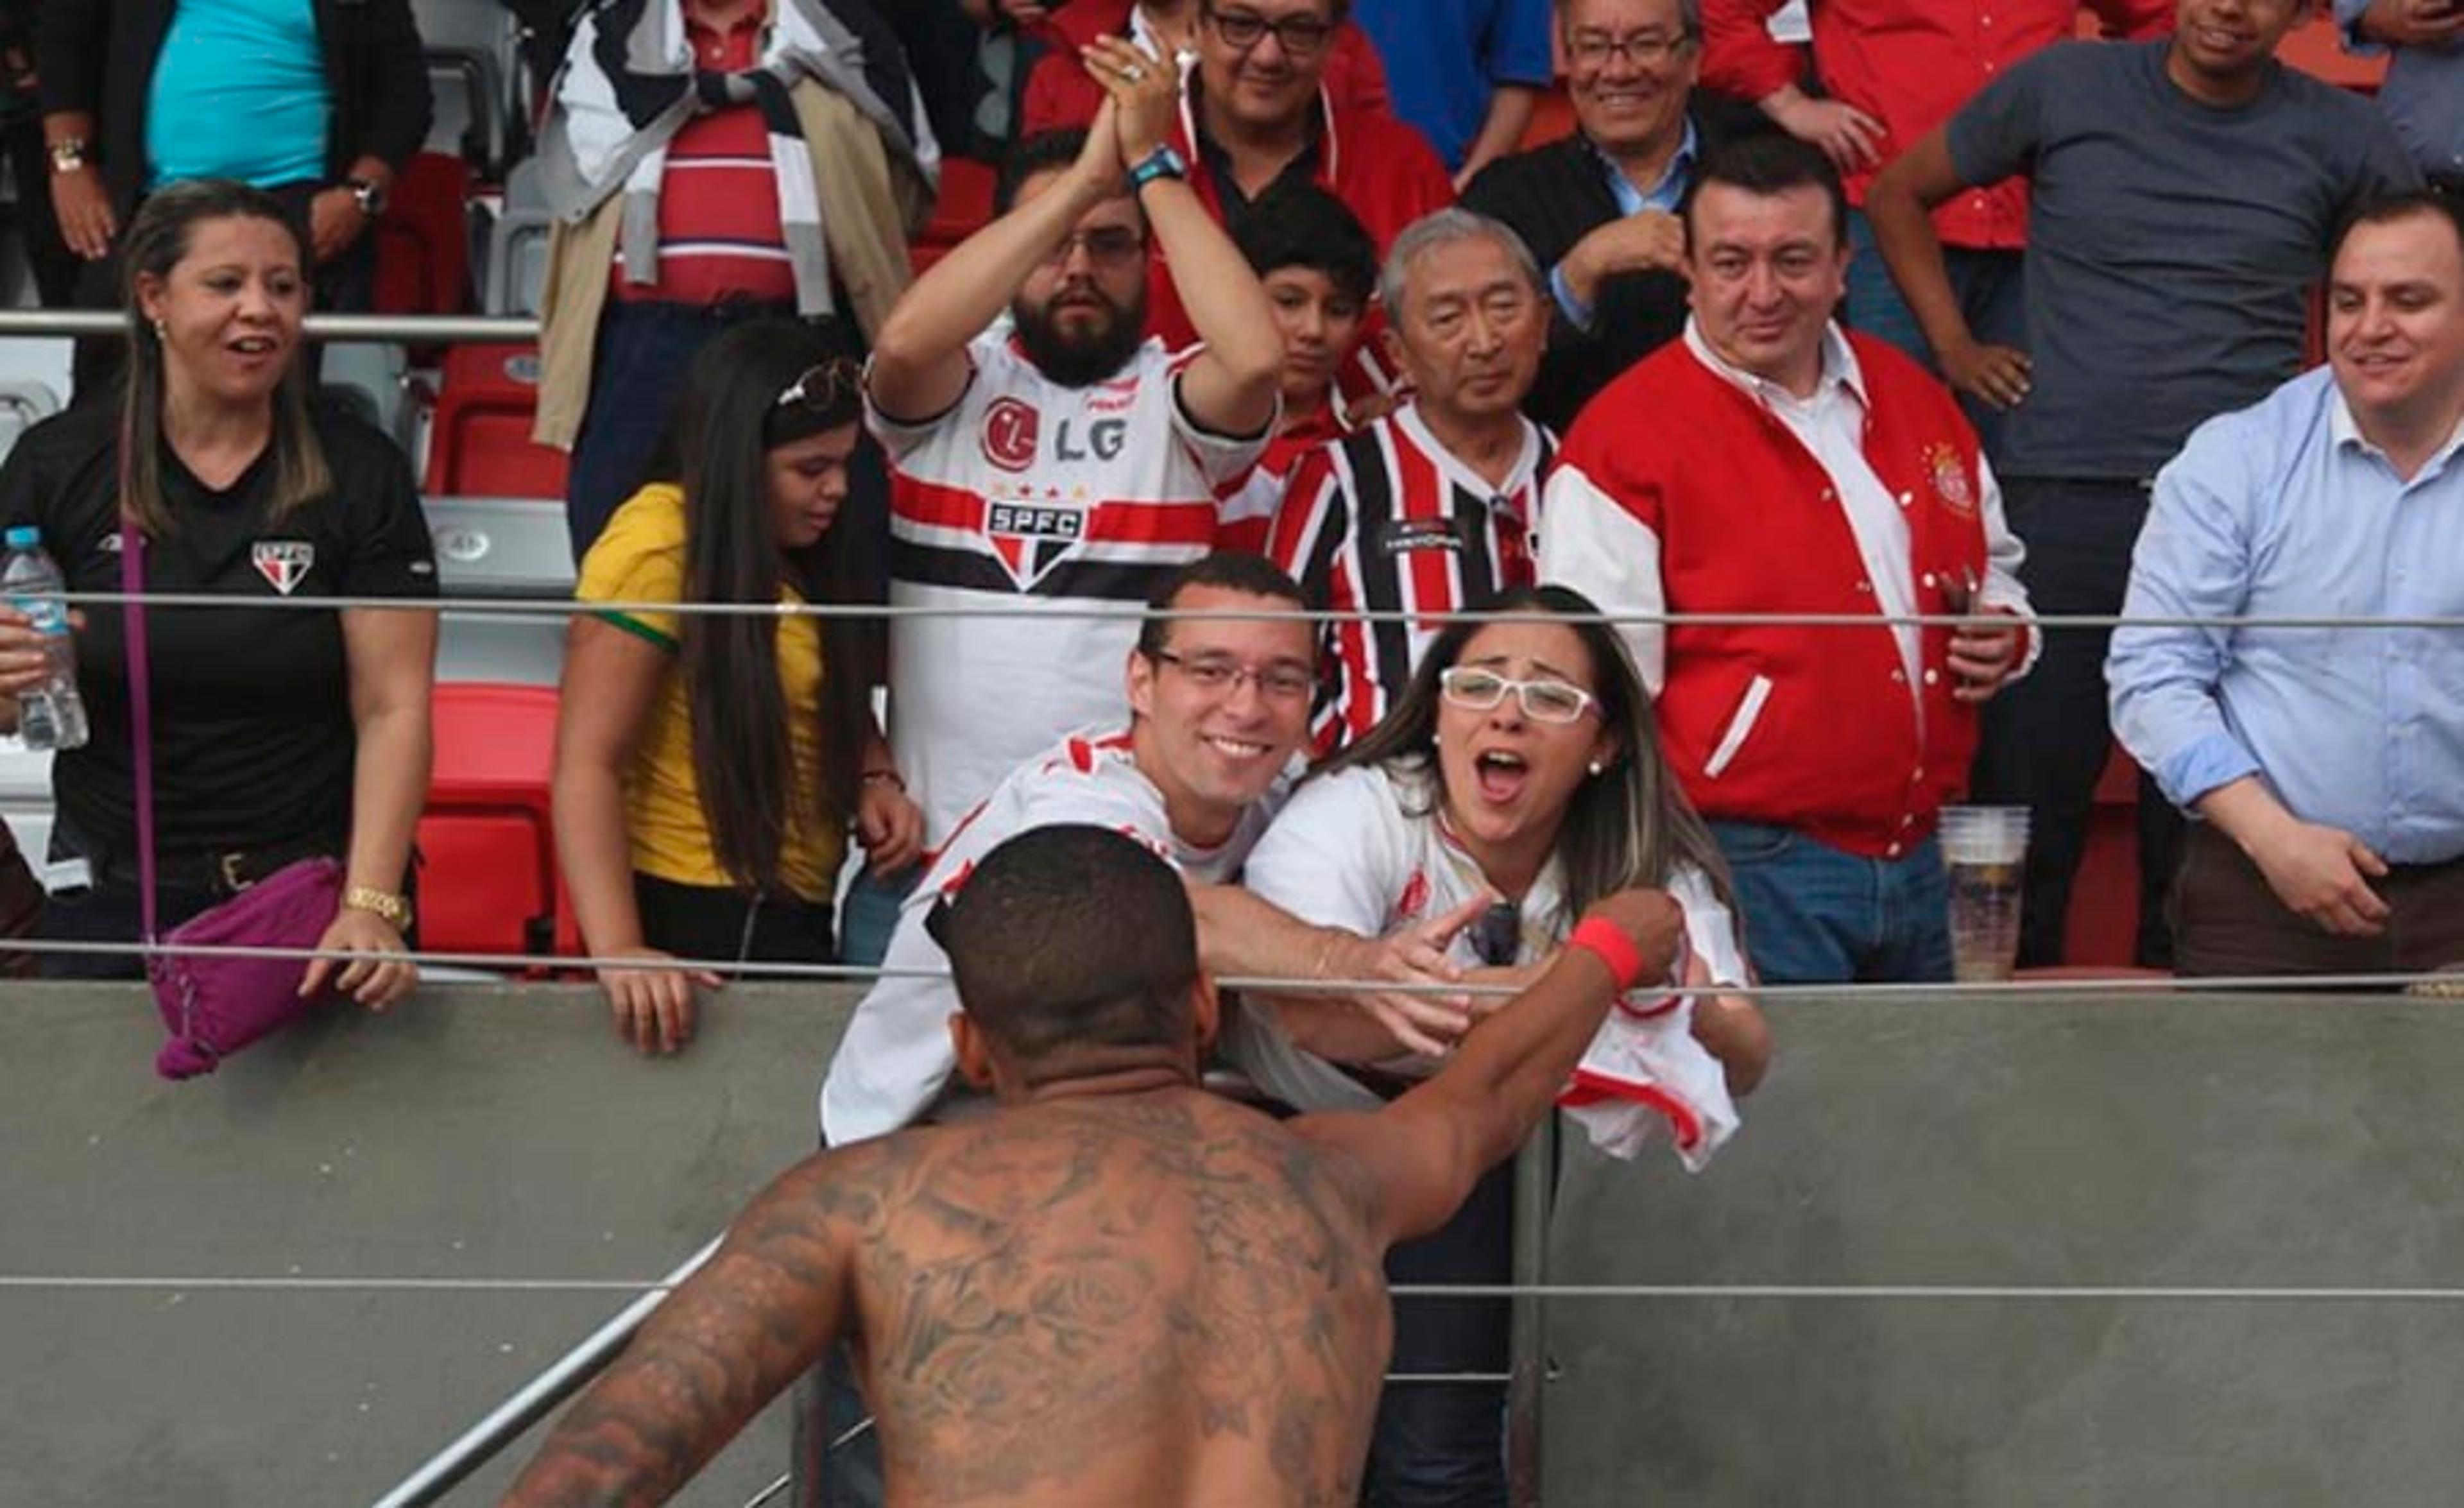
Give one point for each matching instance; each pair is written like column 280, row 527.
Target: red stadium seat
column 480, row 445
column 964, row 208
column 489, row 882
column 2103, row 929
column 423, row 240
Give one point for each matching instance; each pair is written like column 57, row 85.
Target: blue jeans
column 870, row 914
column 1817, row 915
column 1992, row 290
column 1442, row 1445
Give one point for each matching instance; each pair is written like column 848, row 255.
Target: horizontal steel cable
column 1136, row 612
column 1730, row 1293
column 852, row 973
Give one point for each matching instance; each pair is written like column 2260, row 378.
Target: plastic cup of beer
column 1985, row 851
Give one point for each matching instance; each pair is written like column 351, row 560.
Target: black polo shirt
column 254, row 741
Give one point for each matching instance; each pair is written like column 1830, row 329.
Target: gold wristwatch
column 384, row 904
column 68, row 154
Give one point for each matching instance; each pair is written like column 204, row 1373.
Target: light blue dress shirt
column 1666, row 194
column 2283, row 510
column 2423, row 95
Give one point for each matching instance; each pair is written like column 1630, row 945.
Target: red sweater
column 1059, row 93
column 1813, row 728
column 1910, row 64
column 1384, row 170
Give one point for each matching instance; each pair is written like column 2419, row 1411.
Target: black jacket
column 97, row 57
column 1556, row 194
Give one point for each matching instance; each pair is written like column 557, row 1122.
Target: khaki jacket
column 869, row 207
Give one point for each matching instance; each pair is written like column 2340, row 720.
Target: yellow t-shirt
column 640, row 558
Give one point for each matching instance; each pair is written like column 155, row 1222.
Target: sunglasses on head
column 824, row 386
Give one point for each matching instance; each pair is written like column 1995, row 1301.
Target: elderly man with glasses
column 1598, row 207
column 1430, row 509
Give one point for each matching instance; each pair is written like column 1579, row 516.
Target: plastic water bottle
column 51, row 716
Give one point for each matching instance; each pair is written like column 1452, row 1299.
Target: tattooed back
column 1160, row 1299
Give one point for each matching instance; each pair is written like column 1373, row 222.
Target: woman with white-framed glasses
column 709, row 765
column 1521, row 763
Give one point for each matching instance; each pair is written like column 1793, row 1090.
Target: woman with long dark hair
column 1521, row 764
column 278, row 734
column 709, row 764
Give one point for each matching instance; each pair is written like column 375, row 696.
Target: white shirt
column 1030, row 495
column 1364, row 850
column 897, row 1053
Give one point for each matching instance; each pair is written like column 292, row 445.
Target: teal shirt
column 239, row 91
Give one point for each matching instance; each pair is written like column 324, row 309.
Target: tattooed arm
column 756, row 1316
column 1426, row 1149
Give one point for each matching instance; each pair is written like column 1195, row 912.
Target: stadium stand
column 487, row 877
column 479, row 436
column 447, row 247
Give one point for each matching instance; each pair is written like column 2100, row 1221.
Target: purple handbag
column 214, row 1006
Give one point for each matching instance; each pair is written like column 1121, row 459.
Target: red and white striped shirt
column 1249, row 515
column 1388, row 520
column 719, row 232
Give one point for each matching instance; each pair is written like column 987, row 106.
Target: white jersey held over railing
column 1363, row 849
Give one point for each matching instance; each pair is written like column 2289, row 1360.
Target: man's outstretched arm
column 1426, row 1149
column 756, row 1317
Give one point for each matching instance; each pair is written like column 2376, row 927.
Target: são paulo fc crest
column 1031, row 538
column 283, row 562
column 1949, row 479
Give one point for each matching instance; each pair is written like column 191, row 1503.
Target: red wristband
column 1612, row 947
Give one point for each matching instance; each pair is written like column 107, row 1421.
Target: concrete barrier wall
column 2169, row 1144
column 482, row 1132
column 495, row 1133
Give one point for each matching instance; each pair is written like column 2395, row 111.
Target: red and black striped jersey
column 1387, row 520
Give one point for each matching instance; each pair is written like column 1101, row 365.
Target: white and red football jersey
column 1027, row 494
column 1364, row 850
column 897, row 1053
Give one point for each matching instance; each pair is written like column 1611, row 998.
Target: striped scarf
column 629, row 85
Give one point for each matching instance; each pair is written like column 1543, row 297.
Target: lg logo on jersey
column 1013, row 432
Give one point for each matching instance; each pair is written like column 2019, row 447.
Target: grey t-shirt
column 2171, row 244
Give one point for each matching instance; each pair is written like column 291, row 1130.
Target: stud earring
column 1597, row 767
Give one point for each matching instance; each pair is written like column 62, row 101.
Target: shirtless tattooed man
column 1116, row 1288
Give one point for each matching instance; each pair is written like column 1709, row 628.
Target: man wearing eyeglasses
column 1430, row 509
column 1060, row 95
column 1771, row 462
column 1218, row 708
column 1256, row 112
column 1066, row 461
column 1598, row 207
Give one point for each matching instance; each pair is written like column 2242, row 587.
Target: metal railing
column 408, row 329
